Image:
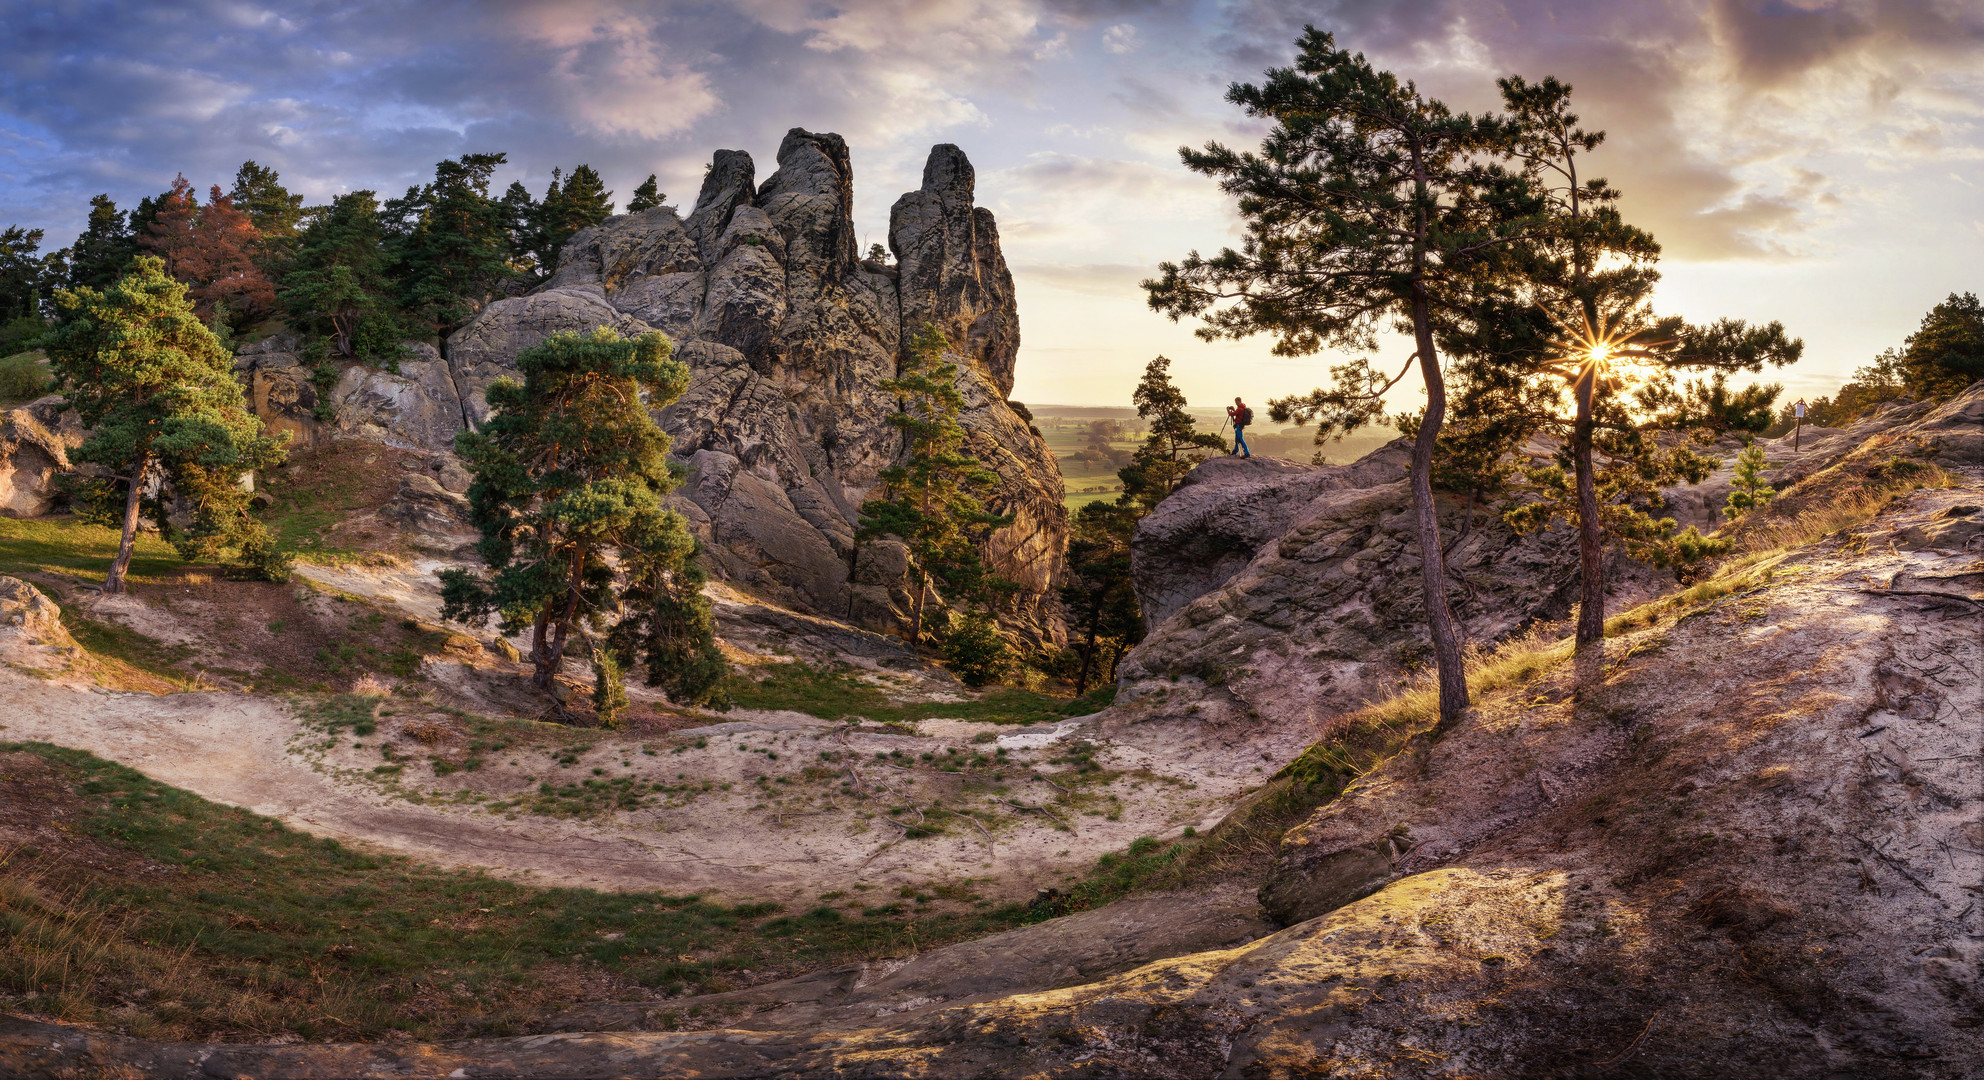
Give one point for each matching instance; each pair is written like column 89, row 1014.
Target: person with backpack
column 1241, row 416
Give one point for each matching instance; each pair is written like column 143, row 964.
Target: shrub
column 22, row 376
column 975, row 651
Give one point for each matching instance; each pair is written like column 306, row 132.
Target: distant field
column 1091, row 476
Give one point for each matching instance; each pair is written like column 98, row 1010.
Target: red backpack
column 1245, row 417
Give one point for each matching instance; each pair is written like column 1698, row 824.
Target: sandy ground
column 777, row 833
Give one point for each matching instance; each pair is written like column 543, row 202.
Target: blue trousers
column 1240, row 442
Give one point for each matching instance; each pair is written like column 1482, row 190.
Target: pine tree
column 579, row 202
column 1368, row 206
column 1097, row 592
column 337, row 287
column 1173, row 444
column 105, row 249
column 570, row 471
column 933, row 501
column 646, row 197
column 22, row 284
column 448, row 244
column 274, row 210
column 1750, row 490
column 1568, row 313
column 158, row 394
column 1946, row 354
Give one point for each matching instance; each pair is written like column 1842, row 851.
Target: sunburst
column 1607, row 349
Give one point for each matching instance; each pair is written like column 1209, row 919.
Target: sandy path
column 754, row 841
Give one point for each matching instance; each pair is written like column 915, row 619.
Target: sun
column 1599, row 352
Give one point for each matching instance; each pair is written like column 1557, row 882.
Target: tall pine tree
column 105, row 249
column 157, row 392
column 448, row 243
column 1173, row 443
column 570, row 471
column 337, row 287
column 1369, row 206
column 933, row 500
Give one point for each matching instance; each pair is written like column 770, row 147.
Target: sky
column 1815, row 162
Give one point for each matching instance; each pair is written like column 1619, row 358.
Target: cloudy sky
column 1815, row 161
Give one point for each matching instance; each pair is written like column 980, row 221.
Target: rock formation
column 1292, row 591
column 788, row 334
column 35, row 440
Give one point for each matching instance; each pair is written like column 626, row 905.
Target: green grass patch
column 63, row 545
column 250, row 929
column 833, row 694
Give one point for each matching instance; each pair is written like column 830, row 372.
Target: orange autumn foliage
column 211, row 249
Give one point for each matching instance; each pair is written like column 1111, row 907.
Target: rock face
column 31, row 632
column 788, row 334
column 1282, row 594
column 414, row 405
column 35, row 441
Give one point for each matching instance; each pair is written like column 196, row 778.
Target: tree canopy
column 569, row 474
column 157, row 391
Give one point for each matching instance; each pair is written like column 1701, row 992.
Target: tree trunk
column 1591, row 532
column 1433, row 568
column 1088, row 654
column 127, row 544
column 916, row 613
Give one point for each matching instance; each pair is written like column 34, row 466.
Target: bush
column 17, row 335
column 22, row 376
column 975, row 651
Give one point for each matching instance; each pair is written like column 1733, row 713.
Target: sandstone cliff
column 788, row 334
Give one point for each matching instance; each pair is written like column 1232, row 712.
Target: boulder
column 35, row 441
column 415, row 407
column 486, row 349
column 788, row 336
column 276, row 381
column 31, row 632
column 434, row 518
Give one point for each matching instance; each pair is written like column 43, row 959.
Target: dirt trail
column 780, row 831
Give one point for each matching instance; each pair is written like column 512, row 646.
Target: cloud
column 1120, row 39
column 1091, row 279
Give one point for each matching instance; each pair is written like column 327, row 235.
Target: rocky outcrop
column 32, row 636
column 788, row 335
column 415, row 407
column 1282, row 595
column 433, row 517
column 35, row 441
column 412, row 403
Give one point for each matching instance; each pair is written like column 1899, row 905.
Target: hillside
column 1751, row 851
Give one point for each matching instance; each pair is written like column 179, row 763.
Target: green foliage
column 836, row 694
column 668, row 623
column 1098, row 593
column 1709, row 405
column 273, row 209
column 975, row 650
column 539, row 230
column 24, row 277
column 646, row 197
column 18, row 335
column 1173, row 446
column 159, row 397
column 570, row 470
column 448, row 243
column 1946, row 354
column 1749, row 490
column 934, row 499
column 22, row 377
column 337, row 289
column 609, row 690
column 105, row 249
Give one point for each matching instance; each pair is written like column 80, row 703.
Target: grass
column 249, row 929
column 62, row 545
column 833, row 694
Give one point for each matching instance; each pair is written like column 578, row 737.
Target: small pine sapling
column 1751, row 490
